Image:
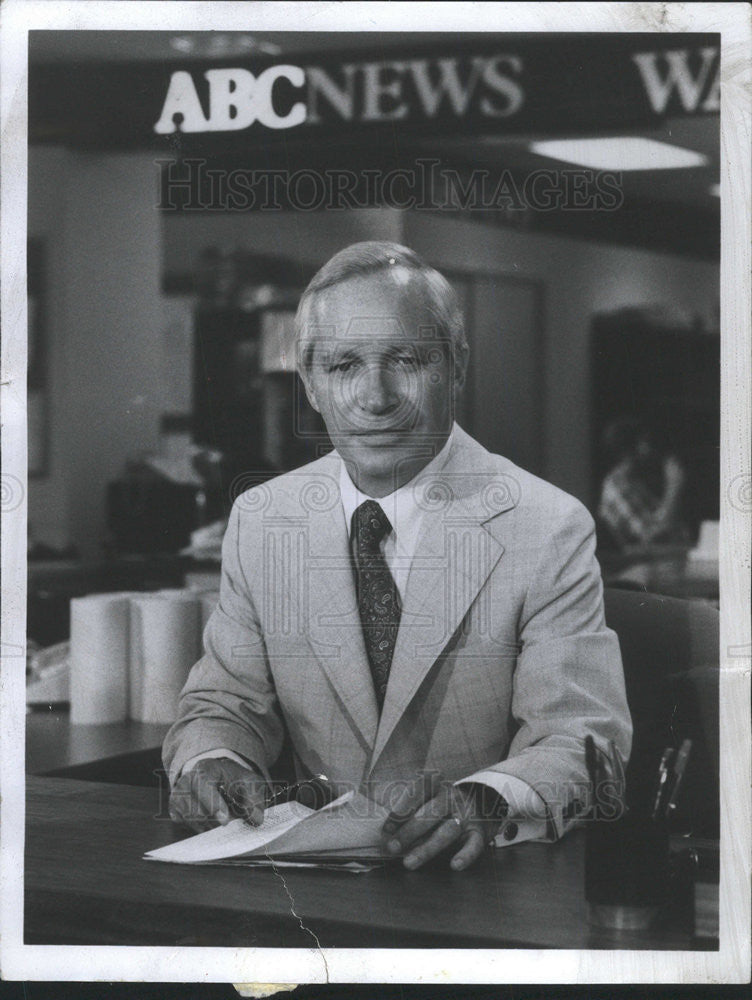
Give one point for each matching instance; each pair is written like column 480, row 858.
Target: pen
column 680, row 765
column 662, row 779
column 592, row 768
column 237, row 806
column 617, row 764
column 619, row 773
column 313, row 792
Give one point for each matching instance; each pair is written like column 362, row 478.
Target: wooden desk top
column 87, row 884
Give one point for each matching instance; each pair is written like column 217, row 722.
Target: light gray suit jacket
column 503, row 663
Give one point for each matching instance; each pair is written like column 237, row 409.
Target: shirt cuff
column 212, row 755
column 527, row 817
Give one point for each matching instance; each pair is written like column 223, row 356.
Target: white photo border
column 195, row 964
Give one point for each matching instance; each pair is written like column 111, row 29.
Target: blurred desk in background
column 52, row 743
column 665, row 570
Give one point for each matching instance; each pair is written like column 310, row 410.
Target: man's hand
column 431, row 815
column 216, row 791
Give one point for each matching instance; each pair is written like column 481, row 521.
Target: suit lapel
column 456, row 552
column 334, row 629
column 454, row 557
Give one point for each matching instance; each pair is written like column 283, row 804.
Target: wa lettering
column 667, row 73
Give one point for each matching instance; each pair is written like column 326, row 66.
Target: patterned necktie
column 378, row 598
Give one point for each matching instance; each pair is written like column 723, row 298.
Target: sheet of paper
column 342, row 826
column 351, row 825
column 236, row 838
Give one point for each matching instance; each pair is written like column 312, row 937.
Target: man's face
column 382, row 378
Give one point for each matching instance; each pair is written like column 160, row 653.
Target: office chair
column 671, row 667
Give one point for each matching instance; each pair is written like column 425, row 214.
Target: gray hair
column 373, row 257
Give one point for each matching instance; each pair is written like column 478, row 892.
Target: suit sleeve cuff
column 527, row 817
column 214, row 754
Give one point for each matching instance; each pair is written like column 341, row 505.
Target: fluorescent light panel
column 620, row 153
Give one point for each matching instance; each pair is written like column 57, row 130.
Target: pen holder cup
column 627, row 871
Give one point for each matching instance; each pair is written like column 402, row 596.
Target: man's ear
column 460, row 368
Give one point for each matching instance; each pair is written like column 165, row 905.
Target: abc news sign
column 491, row 88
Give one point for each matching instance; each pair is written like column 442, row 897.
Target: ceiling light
column 620, row 153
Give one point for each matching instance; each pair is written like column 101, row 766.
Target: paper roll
column 194, row 594
column 164, row 643
column 99, row 658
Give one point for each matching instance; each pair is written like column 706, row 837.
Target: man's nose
column 377, row 390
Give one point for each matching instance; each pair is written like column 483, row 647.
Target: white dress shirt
column 405, row 516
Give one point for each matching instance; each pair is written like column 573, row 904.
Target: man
column 423, row 619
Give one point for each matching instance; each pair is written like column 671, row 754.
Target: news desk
column 86, row 883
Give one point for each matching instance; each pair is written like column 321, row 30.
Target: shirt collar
column 400, row 507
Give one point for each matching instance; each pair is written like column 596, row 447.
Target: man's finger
column 444, row 835
column 411, row 797
column 180, row 797
column 185, row 808
column 176, row 814
column 470, row 851
column 209, row 794
column 245, row 800
column 423, row 820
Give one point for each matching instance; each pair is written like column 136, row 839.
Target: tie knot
column 370, row 525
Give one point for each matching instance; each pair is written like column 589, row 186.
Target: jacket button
column 510, row 831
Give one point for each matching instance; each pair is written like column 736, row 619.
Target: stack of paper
column 344, row 834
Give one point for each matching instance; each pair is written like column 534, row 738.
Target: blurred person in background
column 640, row 502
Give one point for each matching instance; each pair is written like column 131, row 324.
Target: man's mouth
column 379, row 432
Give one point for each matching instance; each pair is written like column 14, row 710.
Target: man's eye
column 407, row 360
column 341, row 366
